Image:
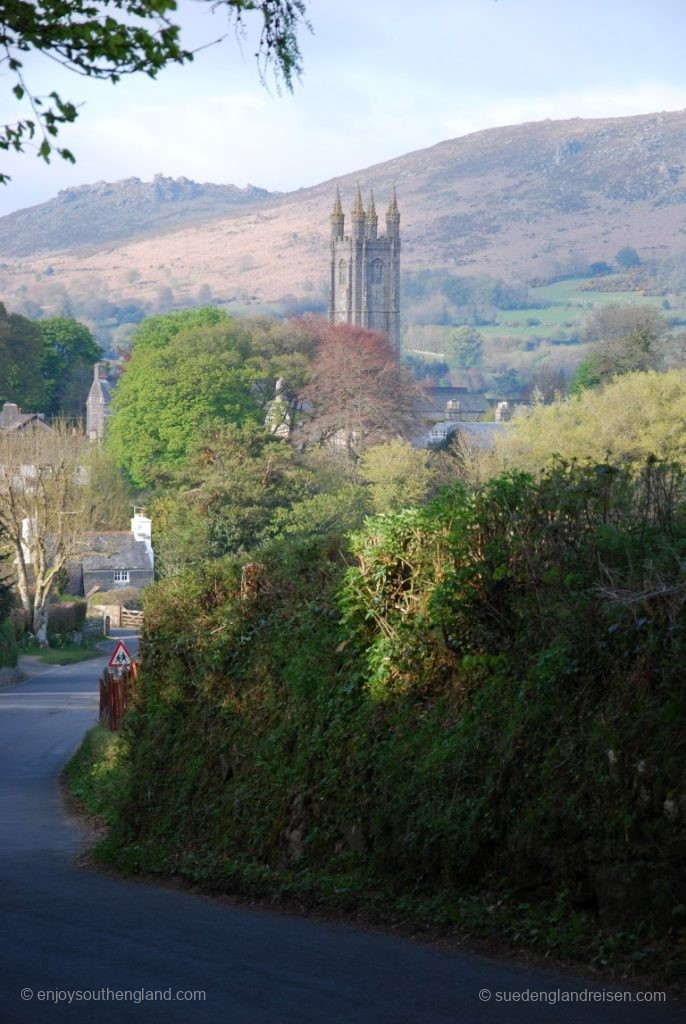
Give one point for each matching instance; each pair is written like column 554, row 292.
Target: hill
column 94, row 215
column 527, row 202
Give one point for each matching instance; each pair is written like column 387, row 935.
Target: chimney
column 100, row 371
column 141, row 528
column 9, row 415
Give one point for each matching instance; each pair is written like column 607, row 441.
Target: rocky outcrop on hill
column 105, row 212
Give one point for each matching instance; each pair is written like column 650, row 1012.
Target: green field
column 562, row 308
column 546, row 335
column 572, row 293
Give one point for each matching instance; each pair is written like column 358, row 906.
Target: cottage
column 119, row 558
column 13, row 419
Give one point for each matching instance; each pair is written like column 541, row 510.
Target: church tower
column 365, row 268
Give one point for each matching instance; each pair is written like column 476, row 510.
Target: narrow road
column 69, row 933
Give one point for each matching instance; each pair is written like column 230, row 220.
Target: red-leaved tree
column 357, row 393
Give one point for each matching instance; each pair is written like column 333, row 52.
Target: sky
column 381, row 78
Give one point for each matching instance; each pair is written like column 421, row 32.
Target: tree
column 586, row 376
column 225, row 496
column 112, row 38
column 614, row 321
column 628, row 258
column 464, row 347
column 397, row 474
column 624, row 339
column 21, row 352
column 242, row 487
column 8, row 646
column 47, row 505
column 357, row 394
column 185, row 372
column 69, row 351
column 599, row 269
column 633, row 417
column 190, row 372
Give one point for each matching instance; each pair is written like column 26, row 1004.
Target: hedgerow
column 482, row 696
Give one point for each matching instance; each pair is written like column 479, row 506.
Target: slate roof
column 520, row 396
column 475, row 432
column 471, row 402
column 115, row 550
column 100, row 391
column 479, row 434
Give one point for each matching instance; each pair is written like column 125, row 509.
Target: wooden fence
column 115, row 692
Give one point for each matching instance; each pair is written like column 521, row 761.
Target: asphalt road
column 67, row 933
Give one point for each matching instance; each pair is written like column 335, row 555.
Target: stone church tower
column 365, row 269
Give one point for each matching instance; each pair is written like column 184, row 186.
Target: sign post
column 120, row 657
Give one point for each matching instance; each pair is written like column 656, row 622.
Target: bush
column 501, row 709
column 8, row 646
column 20, row 620
column 66, row 618
column 129, row 597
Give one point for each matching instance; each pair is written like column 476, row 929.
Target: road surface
column 82, row 946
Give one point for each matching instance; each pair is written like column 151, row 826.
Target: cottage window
column 120, row 575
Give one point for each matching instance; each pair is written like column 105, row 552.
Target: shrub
column 129, row 597
column 20, row 620
column 501, row 707
column 8, row 646
column 66, row 618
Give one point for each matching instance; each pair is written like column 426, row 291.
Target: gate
column 131, row 619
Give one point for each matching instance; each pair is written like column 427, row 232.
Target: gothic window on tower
column 342, row 272
column 377, row 272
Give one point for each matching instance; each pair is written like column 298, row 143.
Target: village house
column 116, row 558
column 113, row 559
column 13, row 419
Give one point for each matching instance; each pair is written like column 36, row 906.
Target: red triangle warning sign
column 120, row 657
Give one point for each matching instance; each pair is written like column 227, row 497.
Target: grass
column 558, row 312
column 70, row 654
column 95, row 772
column 572, row 292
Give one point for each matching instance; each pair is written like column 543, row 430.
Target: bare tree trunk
column 45, row 579
column 40, row 623
column 22, row 577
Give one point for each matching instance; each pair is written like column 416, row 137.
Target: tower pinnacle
column 393, row 217
column 358, row 216
column 372, row 219
column 337, row 217
column 358, row 208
